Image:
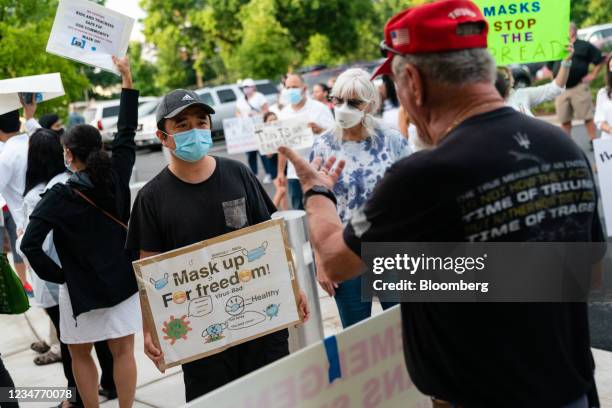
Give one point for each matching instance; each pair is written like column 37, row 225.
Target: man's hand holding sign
column 204, row 298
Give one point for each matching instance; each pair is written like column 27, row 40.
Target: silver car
column 223, row 100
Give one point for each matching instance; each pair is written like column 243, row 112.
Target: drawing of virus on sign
column 176, row 329
column 272, row 310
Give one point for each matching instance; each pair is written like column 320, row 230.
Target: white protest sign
column 47, row 86
column 293, row 133
column 603, row 159
column 372, row 374
column 209, row 296
column 240, row 134
column 89, row 33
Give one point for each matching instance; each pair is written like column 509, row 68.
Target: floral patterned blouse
column 366, row 163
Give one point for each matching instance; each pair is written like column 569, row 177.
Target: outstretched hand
column 315, row 173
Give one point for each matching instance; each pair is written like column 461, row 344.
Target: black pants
column 102, row 351
column 209, row 373
column 6, row 381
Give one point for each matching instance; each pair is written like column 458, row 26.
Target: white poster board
column 89, row 33
column 293, row 133
column 372, row 374
column 603, row 159
column 209, row 296
column 240, row 134
column 49, row 86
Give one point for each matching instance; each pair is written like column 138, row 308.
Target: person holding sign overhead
column 369, row 148
column 319, row 118
column 198, row 197
column 576, row 102
column 99, row 301
column 523, row 99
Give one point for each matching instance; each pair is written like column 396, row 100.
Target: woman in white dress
column 88, row 216
column 603, row 109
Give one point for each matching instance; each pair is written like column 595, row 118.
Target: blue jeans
column 252, row 159
column 294, row 189
column 350, row 306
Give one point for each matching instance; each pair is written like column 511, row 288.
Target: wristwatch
column 320, row 190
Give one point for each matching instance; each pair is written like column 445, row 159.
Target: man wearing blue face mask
column 195, row 198
column 319, row 118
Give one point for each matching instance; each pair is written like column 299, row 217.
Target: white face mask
column 347, row 116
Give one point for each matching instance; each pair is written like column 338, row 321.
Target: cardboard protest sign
column 44, row 87
column 239, row 134
column 89, row 33
column 212, row 295
column 371, row 373
column 293, row 133
column 527, row 31
column 603, row 159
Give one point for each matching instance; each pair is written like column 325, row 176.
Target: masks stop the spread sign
column 206, row 297
column 526, row 31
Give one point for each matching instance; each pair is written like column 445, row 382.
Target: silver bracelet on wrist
column 566, row 64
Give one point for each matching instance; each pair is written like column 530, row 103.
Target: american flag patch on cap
column 400, row 37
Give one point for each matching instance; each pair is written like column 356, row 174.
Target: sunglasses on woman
column 355, row 103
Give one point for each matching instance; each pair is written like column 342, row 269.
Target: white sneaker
column 267, row 179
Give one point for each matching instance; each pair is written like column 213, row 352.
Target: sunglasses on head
column 385, row 49
column 355, row 103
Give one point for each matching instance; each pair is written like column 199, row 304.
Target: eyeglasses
column 384, row 49
column 355, row 103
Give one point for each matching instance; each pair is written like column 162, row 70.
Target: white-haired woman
column 369, row 148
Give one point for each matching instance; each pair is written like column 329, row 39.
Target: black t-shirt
column 170, row 213
column 585, row 54
column 485, row 355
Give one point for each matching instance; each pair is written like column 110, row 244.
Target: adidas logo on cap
column 187, row 97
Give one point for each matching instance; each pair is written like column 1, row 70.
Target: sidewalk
column 154, row 389
column 166, row 390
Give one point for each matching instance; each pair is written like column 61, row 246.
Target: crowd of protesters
column 383, row 150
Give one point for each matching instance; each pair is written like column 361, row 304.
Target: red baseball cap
column 432, row 27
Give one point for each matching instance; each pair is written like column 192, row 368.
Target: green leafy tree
column 144, row 72
column 600, row 12
column 265, row 50
column 319, row 51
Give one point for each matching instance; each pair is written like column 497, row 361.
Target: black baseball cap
column 177, row 101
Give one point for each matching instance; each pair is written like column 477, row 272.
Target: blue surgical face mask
column 292, row 96
column 193, row 144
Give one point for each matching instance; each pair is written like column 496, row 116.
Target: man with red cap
column 467, row 354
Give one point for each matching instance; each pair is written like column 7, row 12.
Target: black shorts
column 209, row 373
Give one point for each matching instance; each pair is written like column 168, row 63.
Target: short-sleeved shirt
column 498, row 354
column 169, row 213
column 251, row 106
column 312, row 111
column 366, row 163
column 585, row 54
column 13, row 166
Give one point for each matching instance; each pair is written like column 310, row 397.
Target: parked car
column 104, row 115
column 147, row 125
column 320, row 74
column 223, row 100
column 598, row 35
